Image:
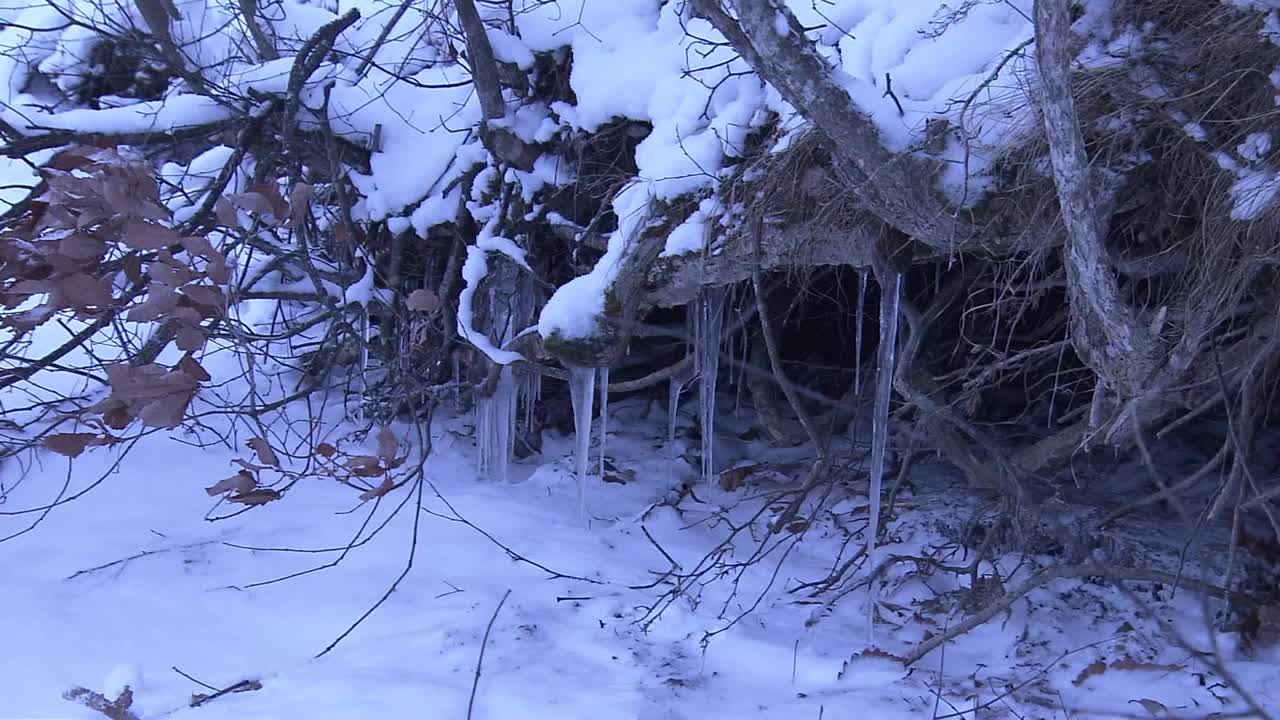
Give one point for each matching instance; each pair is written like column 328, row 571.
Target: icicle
column 495, row 422
column 604, row 414
column 858, row 323
column 678, row 383
column 710, row 321
column 889, row 297
column 581, row 391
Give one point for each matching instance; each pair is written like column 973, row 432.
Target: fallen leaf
column 734, row 478
column 326, row 450
column 1156, row 709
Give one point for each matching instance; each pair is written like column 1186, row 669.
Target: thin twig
column 484, row 642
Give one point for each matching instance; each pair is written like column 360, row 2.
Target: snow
column 559, row 648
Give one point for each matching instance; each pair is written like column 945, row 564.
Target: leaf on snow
column 1098, row 667
column 1156, row 709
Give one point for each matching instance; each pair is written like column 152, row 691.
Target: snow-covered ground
column 129, row 585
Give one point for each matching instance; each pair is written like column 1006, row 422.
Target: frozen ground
column 559, row 648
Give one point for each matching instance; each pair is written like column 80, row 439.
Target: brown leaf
column 240, row 484
column 383, row 488
column 190, row 366
column 271, row 191
column 206, row 295
column 84, row 291
column 168, row 411
column 326, row 450
column 160, row 301
column 260, row 496
column 387, row 445
column 365, row 466
column 300, row 203
column 72, row 444
column 168, row 273
column 734, row 478
column 133, row 268
column 217, row 269
column 250, row 202
column 226, row 213
column 1098, row 667
column 117, row 418
column 142, row 235
column 29, row 319
column 422, row 300
column 190, row 338
column 82, row 247
column 198, row 245
column 264, row 451
column 1156, row 709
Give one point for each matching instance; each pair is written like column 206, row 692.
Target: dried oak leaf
column 263, row 449
column 190, row 338
column 160, row 301
column 189, row 366
column 141, row 235
column 73, row 444
column 240, row 484
column 365, row 466
column 734, row 478
column 260, row 496
column 383, row 488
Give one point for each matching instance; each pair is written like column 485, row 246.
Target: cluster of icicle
column 496, row 414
